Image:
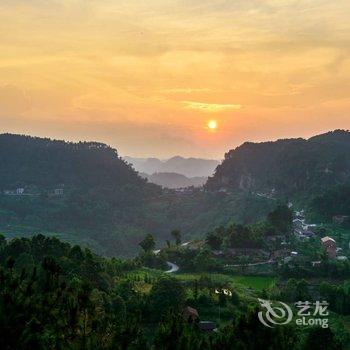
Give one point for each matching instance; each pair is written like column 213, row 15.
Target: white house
column 20, row 191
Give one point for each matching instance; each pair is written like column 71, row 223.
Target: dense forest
column 55, row 296
column 47, row 164
column 286, row 168
column 82, row 189
column 85, row 193
column 332, row 202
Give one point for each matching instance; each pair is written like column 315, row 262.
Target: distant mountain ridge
column 287, row 167
column 174, row 180
column 190, row 167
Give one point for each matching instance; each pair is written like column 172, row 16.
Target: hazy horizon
column 165, row 158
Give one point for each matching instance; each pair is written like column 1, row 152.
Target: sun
column 212, row 124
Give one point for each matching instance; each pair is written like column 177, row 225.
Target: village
column 30, row 191
column 256, row 268
column 308, row 245
column 304, row 232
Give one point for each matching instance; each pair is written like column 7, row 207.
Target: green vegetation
column 55, row 296
column 243, row 247
column 255, row 282
column 85, row 192
column 334, row 201
column 286, row 168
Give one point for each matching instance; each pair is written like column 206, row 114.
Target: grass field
column 255, row 282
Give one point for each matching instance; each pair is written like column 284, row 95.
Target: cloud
column 210, row 107
column 184, row 90
column 171, row 63
column 13, row 101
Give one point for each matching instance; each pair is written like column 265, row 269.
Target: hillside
column 81, row 190
column 189, row 167
column 32, row 161
column 57, row 296
column 85, row 194
column 290, row 167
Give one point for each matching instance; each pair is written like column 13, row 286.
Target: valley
column 143, row 259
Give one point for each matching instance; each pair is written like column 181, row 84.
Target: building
column 183, row 191
column 20, row 191
column 223, row 189
column 309, row 226
column 190, row 314
column 330, row 246
column 298, row 223
column 287, row 259
column 300, row 214
column 342, row 258
column 58, row 191
column 207, row 326
column 308, row 233
column 218, row 252
column 224, row 291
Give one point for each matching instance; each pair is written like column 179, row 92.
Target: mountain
column 288, row 167
column 32, row 161
column 83, row 191
column 190, row 167
column 145, row 165
column 174, row 180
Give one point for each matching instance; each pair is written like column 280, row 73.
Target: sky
column 147, row 76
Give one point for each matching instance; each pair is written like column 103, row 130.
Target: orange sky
column 146, row 76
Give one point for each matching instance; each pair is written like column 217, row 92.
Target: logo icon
column 274, row 315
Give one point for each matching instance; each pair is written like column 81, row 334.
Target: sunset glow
column 144, row 76
column 212, row 124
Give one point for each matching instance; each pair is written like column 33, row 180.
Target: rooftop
column 327, row 239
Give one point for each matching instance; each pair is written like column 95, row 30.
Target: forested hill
column 82, row 191
column 46, row 164
column 286, row 167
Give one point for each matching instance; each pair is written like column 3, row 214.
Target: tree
column 167, row 295
column 148, row 244
column 321, row 338
column 2, row 240
column 222, row 298
column 214, row 241
column 195, row 290
column 302, row 290
column 282, row 219
column 177, row 236
column 205, row 262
